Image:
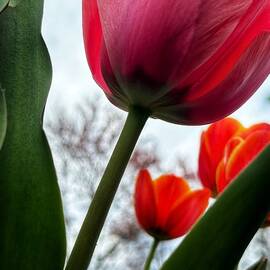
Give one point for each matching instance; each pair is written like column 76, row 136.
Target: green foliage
column 14, row 3
column 3, row 4
column 3, row 117
column 222, row 235
column 11, row 3
column 32, row 229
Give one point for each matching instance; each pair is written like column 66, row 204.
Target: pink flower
column 188, row 62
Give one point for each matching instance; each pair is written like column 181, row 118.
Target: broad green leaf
column 14, row 3
column 260, row 265
column 11, row 3
column 32, row 229
column 3, row 4
column 3, row 117
column 219, row 239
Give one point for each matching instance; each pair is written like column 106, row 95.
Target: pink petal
column 93, row 40
column 219, row 66
column 247, row 76
column 215, row 22
column 146, row 40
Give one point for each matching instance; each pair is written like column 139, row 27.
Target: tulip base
column 86, row 241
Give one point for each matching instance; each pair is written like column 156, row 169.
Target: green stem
column 151, row 254
column 86, row 241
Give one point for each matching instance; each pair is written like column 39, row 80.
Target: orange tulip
column 213, row 142
column 167, row 208
column 226, row 149
column 240, row 151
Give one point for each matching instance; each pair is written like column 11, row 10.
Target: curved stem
column 151, row 255
column 86, row 241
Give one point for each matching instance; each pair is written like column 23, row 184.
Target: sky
column 72, row 81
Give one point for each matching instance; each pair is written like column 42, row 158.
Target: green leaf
column 3, row 117
column 10, row 3
column 260, row 265
column 14, row 3
column 3, row 4
column 219, row 239
column 32, row 228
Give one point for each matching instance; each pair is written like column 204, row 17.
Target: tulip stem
column 151, row 254
column 86, row 241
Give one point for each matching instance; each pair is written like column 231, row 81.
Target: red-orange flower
column 213, row 142
column 226, row 149
column 166, row 208
column 240, row 151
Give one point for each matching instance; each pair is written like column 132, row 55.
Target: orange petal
column 187, row 212
column 221, row 181
column 213, row 142
column 230, row 147
column 221, row 178
column 145, row 205
column 168, row 190
column 257, row 127
column 244, row 155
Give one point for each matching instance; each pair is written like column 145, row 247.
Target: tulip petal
column 257, row 127
column 186, row 212
column 145, row 204
column 220, row 65
column 93, row 40
column 212, row 146
column 97, row 55
column 252, row 69
column 242, row 156
column 144, row 39
column 221, row 180
column 228, row 78
column 230, row 147
column 168, row 190
column 215, row 22
column 248, row 151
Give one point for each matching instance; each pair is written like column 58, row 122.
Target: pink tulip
column 188, row 62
